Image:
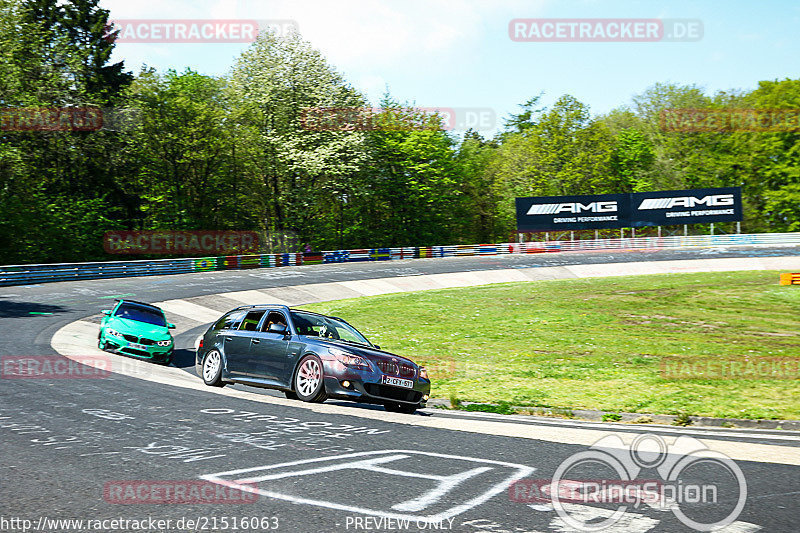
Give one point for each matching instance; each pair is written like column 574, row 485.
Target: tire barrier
column 44, row 273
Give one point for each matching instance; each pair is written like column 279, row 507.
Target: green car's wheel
column 309, row 383
column 212, row 369
column 100, row 343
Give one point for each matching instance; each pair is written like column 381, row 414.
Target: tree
column 308, row 172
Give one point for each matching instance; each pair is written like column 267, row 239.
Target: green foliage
column 236, row 152
column 612, row 417
column 503, row 408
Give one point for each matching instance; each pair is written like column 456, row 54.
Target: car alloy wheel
column 212, row 369
column 309, row 383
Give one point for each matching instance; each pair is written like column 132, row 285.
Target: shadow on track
column 183, row 358
column 9, row 309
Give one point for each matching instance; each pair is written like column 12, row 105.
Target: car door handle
column 255, row 341
column 228, row 338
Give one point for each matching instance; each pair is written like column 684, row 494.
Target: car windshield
column 141, row 314
column 323, row 326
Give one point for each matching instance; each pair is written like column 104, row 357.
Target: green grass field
column 596, row 343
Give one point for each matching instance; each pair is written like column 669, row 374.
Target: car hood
column 140, row 329
column 367, row 352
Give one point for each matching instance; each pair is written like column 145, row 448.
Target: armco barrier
column 27, row 274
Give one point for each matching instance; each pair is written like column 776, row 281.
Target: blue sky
column 458, row 53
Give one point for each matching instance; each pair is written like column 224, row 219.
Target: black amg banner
column 697, row 206
column 599, row 211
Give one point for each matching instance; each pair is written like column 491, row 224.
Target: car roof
column 281, row 307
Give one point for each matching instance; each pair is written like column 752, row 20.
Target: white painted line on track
column 254, row 297
column 371, row 287
column 192, row 311
column 371, row 461
column 749, row 433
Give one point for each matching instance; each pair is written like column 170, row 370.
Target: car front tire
column 309, row 380
column 212, row 369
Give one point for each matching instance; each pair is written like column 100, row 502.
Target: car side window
column 274, row 317
column 229, row 321
column 251, row 320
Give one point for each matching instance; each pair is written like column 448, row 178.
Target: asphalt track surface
column 338, row 467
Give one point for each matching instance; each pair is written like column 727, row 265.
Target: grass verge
column 596, row 343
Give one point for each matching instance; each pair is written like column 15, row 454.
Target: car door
column 237, row 345
column 269, row 350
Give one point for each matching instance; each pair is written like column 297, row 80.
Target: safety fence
column 29, row 274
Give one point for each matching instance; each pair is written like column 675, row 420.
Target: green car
column 137, row 329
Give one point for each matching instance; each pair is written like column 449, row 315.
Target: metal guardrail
column 44, row 273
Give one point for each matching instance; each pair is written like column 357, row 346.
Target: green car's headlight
column 164, row 343
column 113, row 333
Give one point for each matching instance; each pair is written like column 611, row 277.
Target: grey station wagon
column 310, row 357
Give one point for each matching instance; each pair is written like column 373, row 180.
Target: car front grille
column 388, row 367
column 131, row 338
column 146, row 342
column 140, row 353
column 407, row 371
column 393, row 393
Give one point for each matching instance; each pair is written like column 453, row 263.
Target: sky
column 458, row 54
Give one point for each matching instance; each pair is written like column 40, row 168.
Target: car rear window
column 141, row 314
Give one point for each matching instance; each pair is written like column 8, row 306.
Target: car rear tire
column 396, row 407
column 309, row 380
column 212, row 369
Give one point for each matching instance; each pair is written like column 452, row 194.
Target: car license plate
column 137, row 346
column 397, row 382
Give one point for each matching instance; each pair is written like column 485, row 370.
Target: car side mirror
column 277, row 328
column 170, row 325
column 377, row 347
column 106, row 311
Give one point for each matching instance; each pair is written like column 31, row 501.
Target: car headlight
column 113, row 333
column 164, row 343
column 349, row 360
column 423, row 372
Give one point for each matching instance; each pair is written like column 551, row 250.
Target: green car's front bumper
column 140, row 347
